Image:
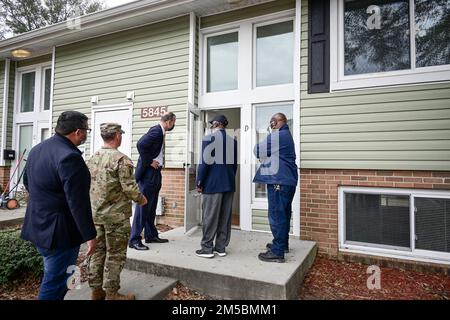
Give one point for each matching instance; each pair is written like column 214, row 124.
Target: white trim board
column 5, row 110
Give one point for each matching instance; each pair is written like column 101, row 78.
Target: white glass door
column 193, row 198
column 31, row 112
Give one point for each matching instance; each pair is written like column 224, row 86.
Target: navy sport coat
column 218, row 163
column 149, row 147
column 58, row 214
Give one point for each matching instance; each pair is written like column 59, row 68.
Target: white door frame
column 38, row 117
column 112, row 107
column 247, row 96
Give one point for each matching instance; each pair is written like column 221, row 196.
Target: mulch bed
column 180, row 292
column 335, row 280
column 26, row 288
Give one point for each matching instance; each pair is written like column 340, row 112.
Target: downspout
column 50, row 124
column 5, row 111
column 297, row 102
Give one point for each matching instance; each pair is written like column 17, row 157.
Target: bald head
column 278, row 120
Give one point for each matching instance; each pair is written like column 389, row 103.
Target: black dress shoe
column 156, row 240
column 138, row 246
column 270, row 257
column 269, row 246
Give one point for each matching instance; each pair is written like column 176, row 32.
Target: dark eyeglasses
column 87, row 130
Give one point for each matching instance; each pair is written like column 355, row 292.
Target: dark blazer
column 277, row 155
column 58, row 214
column 149, row 146
column 218, row 166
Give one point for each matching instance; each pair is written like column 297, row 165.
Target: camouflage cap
column 109, row 128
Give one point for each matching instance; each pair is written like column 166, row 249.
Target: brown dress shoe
column 118, row 296
column 98, row 294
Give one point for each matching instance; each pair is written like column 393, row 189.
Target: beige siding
column 247, row 13
column 405, row 128
column 152, row 61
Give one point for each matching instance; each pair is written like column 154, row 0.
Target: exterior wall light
column 20, row 53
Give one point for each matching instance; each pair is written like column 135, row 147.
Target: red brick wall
column 173, row 185
column 319, row 197
column 4, row 176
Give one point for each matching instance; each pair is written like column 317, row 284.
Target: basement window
column 395, row 222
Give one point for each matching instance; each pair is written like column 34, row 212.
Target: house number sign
column 154, row 112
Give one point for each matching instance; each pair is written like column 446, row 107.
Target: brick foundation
column 319, row 197
column 173, row 190
column 4, row 176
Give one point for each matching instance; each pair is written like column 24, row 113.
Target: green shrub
column 17, row 257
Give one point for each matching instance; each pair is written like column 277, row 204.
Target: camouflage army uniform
column 112, row 189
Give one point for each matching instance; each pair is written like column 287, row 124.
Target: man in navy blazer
column 58, row 218
column 216, row 181
column 148, row 177
column 279, row 172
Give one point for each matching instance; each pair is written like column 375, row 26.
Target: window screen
column 378, row 219
column 433, row 224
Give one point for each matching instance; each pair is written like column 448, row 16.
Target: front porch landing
column 239, row 275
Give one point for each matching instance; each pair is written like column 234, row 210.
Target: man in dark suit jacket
column 58, row 218
column 148, row 177
column 216, row 181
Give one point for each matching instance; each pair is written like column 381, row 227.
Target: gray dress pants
column 216, row 221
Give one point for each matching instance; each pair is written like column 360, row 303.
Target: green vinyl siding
column 260, row 221
column 152, row 61
column 36, row 60
column 247, row 13
column 402, row 128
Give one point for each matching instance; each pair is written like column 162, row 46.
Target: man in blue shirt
column 216, row 181
column 278, row 171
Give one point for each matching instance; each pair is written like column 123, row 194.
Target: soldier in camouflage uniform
column 112, row 189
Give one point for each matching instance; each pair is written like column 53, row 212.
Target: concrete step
column 239, row 275
column 11, row 217
column 145, row 286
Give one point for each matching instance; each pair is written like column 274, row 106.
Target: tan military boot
column 98, row 294
column 117, row 296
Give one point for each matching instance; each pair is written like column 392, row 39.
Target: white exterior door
column 193, row 198
column 31, row 110
column 121, row 115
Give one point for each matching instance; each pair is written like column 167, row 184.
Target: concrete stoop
column 144, row 286
column 239, row 275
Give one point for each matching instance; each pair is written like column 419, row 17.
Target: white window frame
column 42, row 102
column 205, row 54
column 268, row 23
column 247, row 92
column 390, row 251
column 339, row 81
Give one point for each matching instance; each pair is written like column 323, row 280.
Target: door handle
column 246, row 127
